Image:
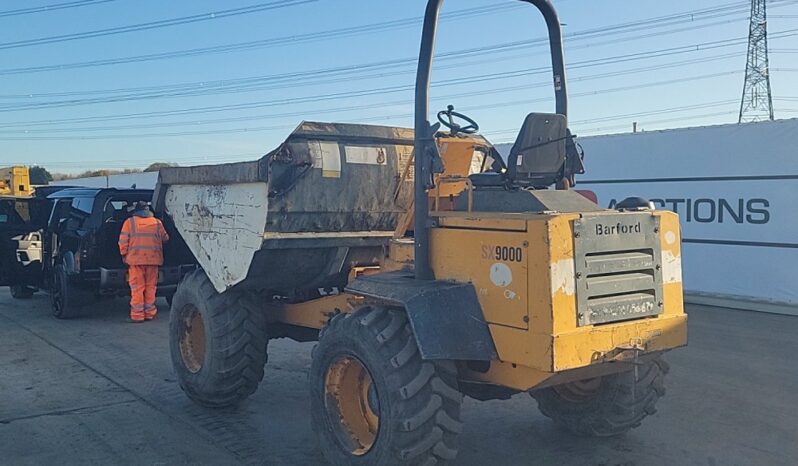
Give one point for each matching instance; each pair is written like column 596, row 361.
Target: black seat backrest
column 538, row 155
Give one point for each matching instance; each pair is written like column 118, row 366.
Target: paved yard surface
column 96, row 390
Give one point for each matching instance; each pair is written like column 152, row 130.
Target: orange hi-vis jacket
column 141, row 240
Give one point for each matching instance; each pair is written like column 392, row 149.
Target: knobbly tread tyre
column 235, row 342
column 619, row 406
column 419, row 414
column 21, row 292
column 69, row 300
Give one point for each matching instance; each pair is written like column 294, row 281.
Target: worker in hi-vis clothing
column 141, row 246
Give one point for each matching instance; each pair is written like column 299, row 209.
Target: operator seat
column 537, row 157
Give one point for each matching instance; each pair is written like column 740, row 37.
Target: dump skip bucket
column 298, row 218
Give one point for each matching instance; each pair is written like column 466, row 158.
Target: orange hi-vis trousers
column 143, row 280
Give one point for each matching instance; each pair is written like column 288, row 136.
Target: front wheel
column 217, row 342
column 22, row 292
column 608, row 405
column 374, row 401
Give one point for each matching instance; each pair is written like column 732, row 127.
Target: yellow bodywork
column 532, row 311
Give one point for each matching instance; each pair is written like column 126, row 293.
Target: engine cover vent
column 617, row 263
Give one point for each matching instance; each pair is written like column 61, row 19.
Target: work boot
column 135, row 321
column 149, row 317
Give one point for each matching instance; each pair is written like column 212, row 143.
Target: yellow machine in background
column 15, row 181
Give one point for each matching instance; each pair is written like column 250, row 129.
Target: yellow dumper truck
column 428, row 267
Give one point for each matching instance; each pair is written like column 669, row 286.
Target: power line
column 300, row 38
column 273, row 5
column 665, row 120
column 51, row 7
column 480, row 92
column 360, row 93
column 193, row 157
column 261, row 104
column 631, row 115
column 688, row 16
column 511, row 103
column 652, row 122
column 372, row 91
column 531, row 71
column 294, row 79
column 217, row 157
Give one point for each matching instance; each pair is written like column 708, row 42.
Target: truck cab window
column 82, row 205
column 117, row 211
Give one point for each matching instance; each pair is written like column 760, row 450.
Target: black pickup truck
column 66, row 243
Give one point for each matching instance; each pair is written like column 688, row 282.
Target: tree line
column 40, row 175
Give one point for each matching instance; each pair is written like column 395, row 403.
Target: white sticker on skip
column 365, row 155
column 326, row 156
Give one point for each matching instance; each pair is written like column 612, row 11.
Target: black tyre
column 374, row 401
column 22, row 292
column 217, row 342
column 605, row 406
column 66, row 299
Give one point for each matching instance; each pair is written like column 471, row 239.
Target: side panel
column 495, row 262
column 222, row 225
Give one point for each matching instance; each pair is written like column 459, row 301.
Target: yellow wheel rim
column 352, row 404
column 192, row 339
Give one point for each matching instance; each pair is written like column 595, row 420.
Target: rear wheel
column 22, row 292
column 374, row 401
column 217, row 342
column 605, row 406
column 65, row 297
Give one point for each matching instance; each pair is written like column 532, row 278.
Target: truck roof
column 93, row 192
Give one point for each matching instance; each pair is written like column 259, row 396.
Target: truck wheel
column 66, row 299
column 22, row 292
column 374, row 401
column 605, row 406
column 217, row 342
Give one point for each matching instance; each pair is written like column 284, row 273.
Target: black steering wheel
column 471, row 128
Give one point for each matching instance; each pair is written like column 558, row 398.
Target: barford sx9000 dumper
column 428, row 268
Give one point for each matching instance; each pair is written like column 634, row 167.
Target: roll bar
column 426, row 152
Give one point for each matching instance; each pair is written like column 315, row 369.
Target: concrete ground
column 96, row 390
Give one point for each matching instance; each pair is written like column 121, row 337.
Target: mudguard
column 446, row 317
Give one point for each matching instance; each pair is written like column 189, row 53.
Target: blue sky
column 694, row 78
